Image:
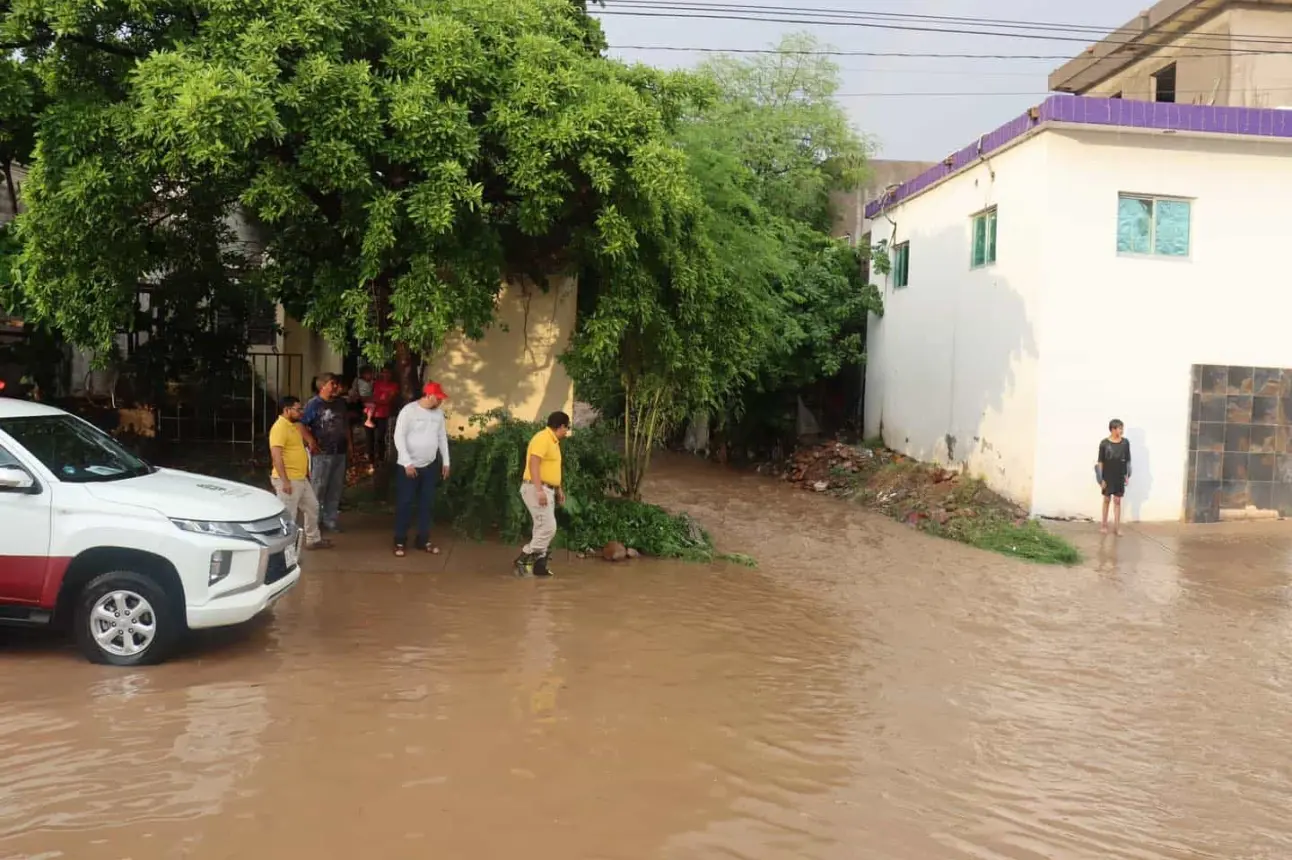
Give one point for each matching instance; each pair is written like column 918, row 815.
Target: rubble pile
column 918, row 494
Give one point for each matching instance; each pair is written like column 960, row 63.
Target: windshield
column 76, row 452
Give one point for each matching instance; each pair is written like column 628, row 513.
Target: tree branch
column 84, row 41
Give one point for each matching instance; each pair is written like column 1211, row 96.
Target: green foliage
column 777, row 115
column 484, row 496
column 647, row 528
column 744, row 291
column 483, row 499
column 778, row 121
column 997, row 532
column 392, row 161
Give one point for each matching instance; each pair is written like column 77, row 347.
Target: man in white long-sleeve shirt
column 422, row 442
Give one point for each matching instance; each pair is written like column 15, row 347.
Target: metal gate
column 242, row 414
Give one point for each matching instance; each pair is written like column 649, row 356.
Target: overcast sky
column 918, row 127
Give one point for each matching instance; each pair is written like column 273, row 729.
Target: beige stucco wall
column 1203, row 68
column 1261, row 79
column 848, row 208
column 304, row 354
column 515, row 365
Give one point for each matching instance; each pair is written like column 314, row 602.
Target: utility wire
column 798, row 18
column 865, row 15
column 928, row 55
column 1034, row 93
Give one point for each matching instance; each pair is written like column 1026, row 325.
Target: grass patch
column 1029, row 540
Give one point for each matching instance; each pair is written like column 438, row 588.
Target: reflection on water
column 122, row 754
column 868, row 692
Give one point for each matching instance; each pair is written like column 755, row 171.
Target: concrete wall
column 515, row 365
column 849, row 207
column 952, row 371
column 1203, row 68
column 284, row 373
column 1262, row 79
column 1119, row 334
column 1216, row 66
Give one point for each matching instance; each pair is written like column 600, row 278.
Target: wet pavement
column 867, row 692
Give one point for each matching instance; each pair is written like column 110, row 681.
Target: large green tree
column 744, row 291
column 390, row 161
column 778, row 118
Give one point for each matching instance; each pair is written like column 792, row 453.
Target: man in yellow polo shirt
column 291, row 472
column 542, row 492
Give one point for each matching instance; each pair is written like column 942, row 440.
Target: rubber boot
column 524, row 565
column 540, row 567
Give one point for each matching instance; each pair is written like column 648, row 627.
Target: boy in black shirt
column 1113, row 471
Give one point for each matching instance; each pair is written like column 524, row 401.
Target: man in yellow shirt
column 542, row 492
column 291, row 472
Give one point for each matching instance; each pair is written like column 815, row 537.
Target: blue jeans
column 420, row 492
column 327, row 475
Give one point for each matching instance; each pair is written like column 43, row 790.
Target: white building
column 1096, row 258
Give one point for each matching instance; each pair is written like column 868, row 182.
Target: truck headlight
column 211, row 529
column 221, row 561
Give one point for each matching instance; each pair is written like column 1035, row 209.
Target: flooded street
column 867, row 692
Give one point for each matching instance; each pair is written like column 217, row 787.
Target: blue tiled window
column 1157, row 226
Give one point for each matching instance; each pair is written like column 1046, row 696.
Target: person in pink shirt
column 385, row 391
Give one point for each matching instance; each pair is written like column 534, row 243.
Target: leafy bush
column 647, row 528
column 483, row 498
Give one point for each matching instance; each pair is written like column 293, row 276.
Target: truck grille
column 268, row 529
column 276, row 569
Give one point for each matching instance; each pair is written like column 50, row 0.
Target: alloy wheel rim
column 123, row 623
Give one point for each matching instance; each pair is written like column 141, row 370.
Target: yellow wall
column 515, row 365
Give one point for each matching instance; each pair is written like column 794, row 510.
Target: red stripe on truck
column 32, row 579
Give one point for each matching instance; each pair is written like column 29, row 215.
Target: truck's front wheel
column 125, row 619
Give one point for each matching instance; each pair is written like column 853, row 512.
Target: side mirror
column 16, row 479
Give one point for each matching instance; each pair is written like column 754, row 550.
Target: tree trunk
column 406, row 373
column 644, row 423
column 10, row 188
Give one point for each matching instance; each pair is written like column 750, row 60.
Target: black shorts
column 1115, row 487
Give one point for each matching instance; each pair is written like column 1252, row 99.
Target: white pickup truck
column 130, row 555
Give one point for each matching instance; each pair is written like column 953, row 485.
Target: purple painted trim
column 1084, row 110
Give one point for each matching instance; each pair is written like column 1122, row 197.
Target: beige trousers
column 544, row 517
column 301, row 500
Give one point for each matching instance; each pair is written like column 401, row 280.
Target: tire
column 112, row 599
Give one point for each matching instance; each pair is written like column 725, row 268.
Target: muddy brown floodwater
column 867, row 693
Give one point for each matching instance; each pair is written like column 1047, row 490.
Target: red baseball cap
column 433, row 389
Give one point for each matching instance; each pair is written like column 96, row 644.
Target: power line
column 926, row 55
column 801, row 17
column 868, row 15
column 836, row 53
column 918, row 70
column 1032, row 93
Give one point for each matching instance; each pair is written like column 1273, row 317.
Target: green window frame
column 901, row 264
column 983, row 235
column 1153, row 226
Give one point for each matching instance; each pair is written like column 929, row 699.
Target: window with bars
column 262, row 323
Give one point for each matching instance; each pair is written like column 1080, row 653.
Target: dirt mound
column 906, row 489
